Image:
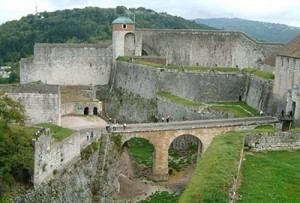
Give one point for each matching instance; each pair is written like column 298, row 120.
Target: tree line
column 88, row 25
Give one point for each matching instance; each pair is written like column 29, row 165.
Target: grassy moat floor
column 271, row 177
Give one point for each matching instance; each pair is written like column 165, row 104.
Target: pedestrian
column 107, row 128
column 162, row 119
column 124, row 126
column 168, row 119
column 261, row 113
column 87, row 135
column 92, row 135
column 155, row 119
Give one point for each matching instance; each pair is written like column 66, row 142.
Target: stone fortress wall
column 197, row 86
column 52, row 156
column 41, row 102
column 68, row 64
column 203, row 48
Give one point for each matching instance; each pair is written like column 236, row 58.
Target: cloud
column 281, row 11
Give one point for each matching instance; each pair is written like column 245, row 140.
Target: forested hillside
column 262, row 31
column 88, row 25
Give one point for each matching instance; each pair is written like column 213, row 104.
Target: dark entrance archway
column 95, row 111
column 86, row 111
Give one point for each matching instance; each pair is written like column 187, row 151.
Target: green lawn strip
column 216, row 171
column 177, row 99
column 295, row 130
column 142, row 151
column 259, row 73
column 57, row 132
column 271, row 177
column 239, row 109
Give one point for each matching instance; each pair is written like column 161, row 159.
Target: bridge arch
column 140, row 161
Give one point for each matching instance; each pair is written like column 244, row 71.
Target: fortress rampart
column 41, row 102
column 51, row 155
column 68, row 64
column 145, row 82
column 203, row 48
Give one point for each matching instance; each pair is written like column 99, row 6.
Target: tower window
column 124, row 26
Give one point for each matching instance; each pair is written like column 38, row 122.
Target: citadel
column 131, row 92
column 93, row 68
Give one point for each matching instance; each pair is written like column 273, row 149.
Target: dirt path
column 81, row 122
column 134, row 189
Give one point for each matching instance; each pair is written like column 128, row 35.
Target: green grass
column 179, row 159
column 214, row 174
column 177, row 99
column 142, row 151
column 259, row 73
column 57, row 132
column 123, row 58
column 161, row 197
column 271, row 177
column 239, row 109
column 295, row 130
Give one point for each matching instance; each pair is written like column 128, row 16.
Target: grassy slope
column 239, row 109
column 57, row 132
column 276, row 177
column 214, row 174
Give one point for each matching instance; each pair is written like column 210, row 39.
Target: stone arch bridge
column 161, row 135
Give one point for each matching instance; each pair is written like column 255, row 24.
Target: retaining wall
column 272, row 141
column 51, row 155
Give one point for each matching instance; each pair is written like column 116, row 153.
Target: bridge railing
column 197, row 124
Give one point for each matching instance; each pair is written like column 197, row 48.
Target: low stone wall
column 51, row 155
column 272, row 141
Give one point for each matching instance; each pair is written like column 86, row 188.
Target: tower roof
column 291, row 49
column 123, row 20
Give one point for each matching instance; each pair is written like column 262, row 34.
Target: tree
column 121, row 10
column 11, row 112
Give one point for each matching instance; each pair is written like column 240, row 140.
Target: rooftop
column 291, row 49
column 123, row 20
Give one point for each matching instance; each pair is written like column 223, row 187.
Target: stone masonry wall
column 139, row 84
column 68, row 64
column 204, row 48
column 77, row 108
column 51, row 155
column 272, row 141
column 41, row 102
column 192, row 85
column 257, row 92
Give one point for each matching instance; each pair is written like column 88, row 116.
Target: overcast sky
column 276, row 11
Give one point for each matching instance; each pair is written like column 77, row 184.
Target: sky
column 274, row 11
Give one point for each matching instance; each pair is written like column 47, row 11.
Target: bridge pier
column 160, row 166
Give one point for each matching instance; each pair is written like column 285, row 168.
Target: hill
column 262, row 31
column 88, row 25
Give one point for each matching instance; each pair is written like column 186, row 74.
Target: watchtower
column 122, row 37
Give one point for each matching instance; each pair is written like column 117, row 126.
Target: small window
column 124, row 26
